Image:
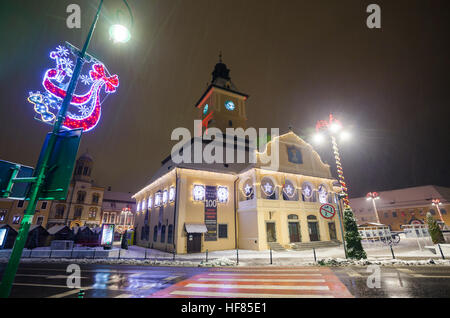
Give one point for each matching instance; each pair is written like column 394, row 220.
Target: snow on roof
column 55, row 229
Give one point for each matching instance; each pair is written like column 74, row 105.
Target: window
column 85, row 171
column 268, row 188
column 222, row 194
column 198, row 192
column 16, row 219
column 443, row 211
column 147, row 232
column 81, row 196
column 143, row 233
column 307, row 191
column 323, row 193
column 95, row 198
column 40, row 220
column 163, row 234
column 3, row 215
column 79, row 170
column 292, row 217
column 155, row 233
column 223, row 231
column 113, row 205
column 20, row 203
column 112, row 218
column 394, row 214
column 432, row 212
column 59, row 212
column 92, row 213
column 44, row 205
column 105, row 217
column 386, row 215
column 78, row 212
column 247, row 189
column 288, row 190
column 312, row 217
column 170, row 234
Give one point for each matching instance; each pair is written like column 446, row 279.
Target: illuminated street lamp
column 334, row 128
column 125, row 212
column 38, row 182
column 374, row 196
column 437, row 203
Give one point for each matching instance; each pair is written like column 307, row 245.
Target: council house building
column 192, row 207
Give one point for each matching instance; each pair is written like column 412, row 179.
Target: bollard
column 174, row 254
column 237, row 256
column 50, row 256
column 81, row 293
column 119, row 252
column 145, row 255
column 440, row 249
column 270, row 256
column 315, row 258
column 392, row 251
column 207, row 255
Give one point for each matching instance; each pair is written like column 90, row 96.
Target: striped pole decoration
column 340, row 171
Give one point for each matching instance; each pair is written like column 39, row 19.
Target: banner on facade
column 211, row 213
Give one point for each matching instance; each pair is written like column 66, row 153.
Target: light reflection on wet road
column 109, row 281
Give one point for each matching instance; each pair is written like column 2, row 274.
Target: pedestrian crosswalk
column 248, row 282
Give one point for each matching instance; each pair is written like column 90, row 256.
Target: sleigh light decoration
column 84, row 110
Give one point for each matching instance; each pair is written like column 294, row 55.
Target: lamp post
column 125, row 211
column 40, row 174
column 437, row 203
column 333, row 127
column 374, row 196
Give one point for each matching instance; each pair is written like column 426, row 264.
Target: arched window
column 155, row 233
column 312, row 218
column 247, row 189
column 170, row 234
column 292, row 217
column 81, row 195
column 323, row 193
column 92, row 213
column 59, row 212
column 78, row 212
column 163, row 234
column 85, row 171
column 268, row 188
column 307, row 192
column 95, row 198
column 289, row 191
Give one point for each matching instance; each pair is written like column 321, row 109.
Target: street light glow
column 345, row 135
column 318, row 138
column 119, row 33
column 335, row 127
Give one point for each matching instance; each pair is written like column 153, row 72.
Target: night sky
column 298, row 61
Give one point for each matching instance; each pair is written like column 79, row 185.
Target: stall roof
column 196, row 228
column 55, row 229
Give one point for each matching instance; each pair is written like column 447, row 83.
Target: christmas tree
column 435, row 231
column 352, row 237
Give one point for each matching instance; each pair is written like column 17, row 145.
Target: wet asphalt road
column 109, row 281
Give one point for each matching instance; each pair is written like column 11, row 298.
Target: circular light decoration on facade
column 248, row 188
column 205, row 109
column 165, row 197
column 267, row 186
column 229, row 105
column 150, row 202
column 323, row 194
column 171, row 194
column 307, row 189
column 198, row 192
column 158, row 199
column 289, row 189
column 222, row 194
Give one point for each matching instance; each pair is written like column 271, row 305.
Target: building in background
column 403, row 206
column 83, row 204
column 194, row 207
column 119, row 209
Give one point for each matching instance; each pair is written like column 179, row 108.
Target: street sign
column 60, row 165
column 327, row 211
column 8, row 171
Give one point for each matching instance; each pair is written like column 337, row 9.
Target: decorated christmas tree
column 352, row 237
column 435, row 231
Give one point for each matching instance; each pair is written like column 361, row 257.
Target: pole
column 338, row 204
column 340, row 171
column 392, row 251
column 315, row 258
column 439, row 212
column 376, row 211
column 440, row 249
column 237, row 256
column 270, row 256
column 14, row 260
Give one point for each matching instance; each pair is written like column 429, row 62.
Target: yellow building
column 193, row 207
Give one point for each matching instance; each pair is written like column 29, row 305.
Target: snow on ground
column 406, row 253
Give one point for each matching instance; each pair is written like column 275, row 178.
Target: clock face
column 205, row 109
column 230, row 105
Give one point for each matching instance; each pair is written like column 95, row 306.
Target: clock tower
column 222, row 105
